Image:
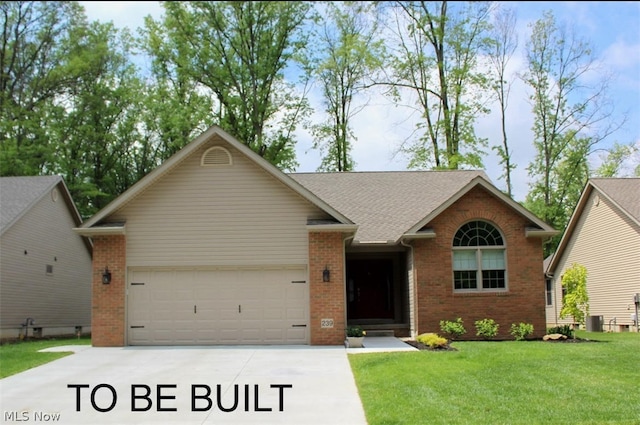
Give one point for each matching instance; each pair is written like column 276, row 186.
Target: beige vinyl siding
column 607, row 243
column 60, row 300
column 217, row 215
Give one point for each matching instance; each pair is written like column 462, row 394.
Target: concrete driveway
column 188, row 385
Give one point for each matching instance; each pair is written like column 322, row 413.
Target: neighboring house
column 603, row 235
column 217, row 246
column 45, row 267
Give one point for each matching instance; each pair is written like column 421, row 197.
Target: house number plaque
column 326, row 323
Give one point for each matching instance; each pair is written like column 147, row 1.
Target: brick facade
column 524, row 300
column 108, row 301
column 326, row 299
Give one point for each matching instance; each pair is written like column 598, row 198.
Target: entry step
column 379, row 332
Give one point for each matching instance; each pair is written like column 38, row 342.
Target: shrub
column 486, row 328
column 453, row 329
column 564, row 330
column 521, row 330
column 355, row 331
column 432, row 340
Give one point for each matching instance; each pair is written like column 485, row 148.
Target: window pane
column 493, row 259
column 464, row 260
column 464, row 280
column 477, row 233
column 493, row 279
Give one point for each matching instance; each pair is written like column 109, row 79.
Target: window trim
column 478, row 254
column 548, row 291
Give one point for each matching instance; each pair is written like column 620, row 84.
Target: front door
column 370, row 289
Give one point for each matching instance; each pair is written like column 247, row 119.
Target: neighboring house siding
column 523, row 301
column 222, row 215
column 607, row 243
column 58, row 301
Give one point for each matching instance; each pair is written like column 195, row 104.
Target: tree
column 575, row 302
column 32, row 55
column 438, row 48
column 351, row 52
column 239, row 51
column 500, row 53
column 177, row 107
column 613, row 160
column 571, row 118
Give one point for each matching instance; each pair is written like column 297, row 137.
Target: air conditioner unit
column 595, row 323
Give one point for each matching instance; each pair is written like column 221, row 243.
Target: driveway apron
column 187, row 385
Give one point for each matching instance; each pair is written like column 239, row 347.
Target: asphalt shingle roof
column 386, row 204
column 18, row 194
column 624, row 191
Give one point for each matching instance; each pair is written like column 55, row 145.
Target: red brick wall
column 108, row 301
column 524, row 300
column 327, row 299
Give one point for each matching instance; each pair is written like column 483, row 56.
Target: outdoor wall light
column 326, row 274
column 106, row 276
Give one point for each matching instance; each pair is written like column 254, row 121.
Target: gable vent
column 215, row 157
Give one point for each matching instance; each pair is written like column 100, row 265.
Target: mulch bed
column 421, row 346
column 448, row 347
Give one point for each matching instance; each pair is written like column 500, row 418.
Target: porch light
column 106, row 276
column 326, row 274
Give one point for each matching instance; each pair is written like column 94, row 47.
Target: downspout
column 414, row 310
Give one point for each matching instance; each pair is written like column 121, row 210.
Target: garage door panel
column 235, row 306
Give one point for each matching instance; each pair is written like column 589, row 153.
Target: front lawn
column 16, row 357
column 507, row 382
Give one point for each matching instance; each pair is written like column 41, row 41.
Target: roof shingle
column 18, row 194
column 386, row 204
column 623, row 191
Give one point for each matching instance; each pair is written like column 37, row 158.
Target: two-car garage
column 241, row 305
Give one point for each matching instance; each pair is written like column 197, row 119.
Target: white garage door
column 203, row 307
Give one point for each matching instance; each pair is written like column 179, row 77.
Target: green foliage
column 453, row 329
column 563, row 329
column 486, row 328
column 449, row 38
column 432, row 340
column 355, row 331
column 521, row 330
column 615, row 157
column 349, row 53
column 575, row 302
column 217, row 45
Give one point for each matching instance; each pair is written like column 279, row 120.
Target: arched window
column 479, row 258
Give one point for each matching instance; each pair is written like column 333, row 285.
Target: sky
column 612, row 28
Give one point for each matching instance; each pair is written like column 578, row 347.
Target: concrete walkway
column 192, row 385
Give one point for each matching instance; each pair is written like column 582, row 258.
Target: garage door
column 203, row 307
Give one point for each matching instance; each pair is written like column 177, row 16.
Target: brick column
column 327, row 299
column 108, row 301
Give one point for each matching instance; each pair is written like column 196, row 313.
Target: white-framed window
column 479, row 262
column 549, row 291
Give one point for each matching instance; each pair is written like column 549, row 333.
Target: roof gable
column 94, row 224
column 541, row 229
column 624, row 193
column 387, row 206
column 19, row 194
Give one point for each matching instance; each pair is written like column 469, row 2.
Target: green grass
column 16, row 357
column 507, row 382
